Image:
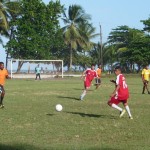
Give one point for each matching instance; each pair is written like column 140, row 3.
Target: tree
column 88, row 33
column 146, row 24
column 72, row 34
column 36, row 30
column 3, row 16
column 13, row 9
column 130, row 44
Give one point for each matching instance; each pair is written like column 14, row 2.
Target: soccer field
column 29, row 120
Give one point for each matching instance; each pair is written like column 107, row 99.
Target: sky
column 109, row 14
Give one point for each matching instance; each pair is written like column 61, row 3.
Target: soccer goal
column 20, row 68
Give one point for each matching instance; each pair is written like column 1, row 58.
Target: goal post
column 21, row 68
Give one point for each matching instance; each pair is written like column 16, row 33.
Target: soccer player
column 3, row 76
column 120, row 94
column 145, row 78
column 38, row 72
column 98, row 79
column 90, row 74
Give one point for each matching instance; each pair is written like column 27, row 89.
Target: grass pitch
column 29, row 120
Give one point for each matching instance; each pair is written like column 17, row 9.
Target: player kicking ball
column 89, row 74
column 120, row 94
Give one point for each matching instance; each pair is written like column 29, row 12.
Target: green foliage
column 146, row 24
column 131, row 45
column 72, row 32
column 36, row 30
column 3, row 17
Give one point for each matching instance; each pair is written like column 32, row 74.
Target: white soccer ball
column 59, row 107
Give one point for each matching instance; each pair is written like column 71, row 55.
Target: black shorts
column 145, row 82
column 2, row 89
column 98, row 81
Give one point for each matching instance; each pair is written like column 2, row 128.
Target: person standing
column 145, row 78
column 38, row 72
column 3, row 75
column 120, row 94
column 98, row 79
column 89, row 74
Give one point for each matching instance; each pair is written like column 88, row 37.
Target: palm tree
column 8, row 11
column 88, row 33
column 72, row 35
column 3, row 16
column 97, row 54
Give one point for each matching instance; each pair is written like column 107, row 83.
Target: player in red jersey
column 90, row 74
column 120, row 94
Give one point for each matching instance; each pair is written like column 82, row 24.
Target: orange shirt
column 99, row 71
column 3, row 75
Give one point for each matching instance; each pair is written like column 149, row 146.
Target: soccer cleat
column 131, row 117
column 1, row 106
column 81, row 97
column 122, row 113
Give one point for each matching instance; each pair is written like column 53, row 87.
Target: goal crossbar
column 28, row 60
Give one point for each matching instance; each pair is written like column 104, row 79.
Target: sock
column 143, row 89
column 83, row 94
column 128, row 110
column 1, row 100
column 116, row 107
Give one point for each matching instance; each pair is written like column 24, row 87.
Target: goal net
column 26, row 68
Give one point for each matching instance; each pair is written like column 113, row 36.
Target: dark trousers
column 38, row 75
column 2, row 93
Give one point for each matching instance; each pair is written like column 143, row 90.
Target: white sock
column 116, row 107
column 83, row 94
column 128, row 110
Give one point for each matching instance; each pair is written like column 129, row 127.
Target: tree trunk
column 7, row 60
column 70, row 66
column 20, row 63
column 139, row 67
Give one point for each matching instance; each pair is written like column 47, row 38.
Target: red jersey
column 90, row 75
column 123, row 92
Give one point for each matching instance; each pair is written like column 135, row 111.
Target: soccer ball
column 59, row 107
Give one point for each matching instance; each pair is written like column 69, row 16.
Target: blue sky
column 110, row 14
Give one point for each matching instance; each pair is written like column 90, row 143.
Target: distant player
column 120, row 94
column 89, row 74
column 98, row 79
column 145, row 78
column 38, row 72
column 3, row 76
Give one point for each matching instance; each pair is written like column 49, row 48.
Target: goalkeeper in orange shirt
column 3, row 75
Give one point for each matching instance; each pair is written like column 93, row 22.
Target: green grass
column 29, row 120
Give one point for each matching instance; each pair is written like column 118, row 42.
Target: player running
column 98, row 79
column 90, row 74
column 120, row 94
column 145, row 78
column 3, row 76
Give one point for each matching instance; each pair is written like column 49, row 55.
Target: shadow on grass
column 92, row 115
column 78, row 89
column 68, row 97
column 104, row 149
column 50, row 114
column 18, row 147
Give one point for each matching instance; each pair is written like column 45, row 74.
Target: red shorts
column 87, row 83
column 116, row 101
